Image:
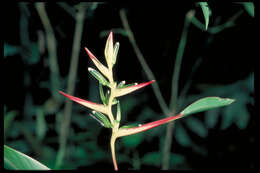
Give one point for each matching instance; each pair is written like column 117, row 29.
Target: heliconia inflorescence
column 103, row 112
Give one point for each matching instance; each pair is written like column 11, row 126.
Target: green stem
column 71, row 84
column 52, row 49
column 174, row 91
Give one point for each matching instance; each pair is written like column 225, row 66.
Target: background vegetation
column 41, row 41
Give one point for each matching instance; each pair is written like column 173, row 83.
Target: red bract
column 91, row 105
column 127, row 90
column 98, row 64
column 147, row 126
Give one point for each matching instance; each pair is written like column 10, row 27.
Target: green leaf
column 152, row 158
column 182, row 136
column 102, row 96
column 250, row 8
column 206, row 12
column 206, row 104
column 132, row 141
column 211, row 118
column 8, row 119
column 102, row 119
column 118, row 114
column 197, row 126
column 98, row 76
column 41, row 127
column 10, row 50
column 16, row 160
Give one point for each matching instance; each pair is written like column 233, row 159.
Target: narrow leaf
column 123, row 91
column 94, row 117
column 98, row 76
column 102, row 118
column 91, row 105
column 118, row 114
column 109, row 50
column 102, row 96
column 206, row 12
column 104, row 70
column 116, row 48
column 16, row 160
column 206, row 104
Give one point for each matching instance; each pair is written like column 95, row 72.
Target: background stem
column 143, row 63
column 52, row 49
column 174, row 91
column 71, row 84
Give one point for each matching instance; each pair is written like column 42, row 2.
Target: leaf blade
column 16, row 160
column 206, row 104
column 206, row 12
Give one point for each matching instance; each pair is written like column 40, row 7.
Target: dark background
column 227, row 59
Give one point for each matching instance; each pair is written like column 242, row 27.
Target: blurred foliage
column 32, row 125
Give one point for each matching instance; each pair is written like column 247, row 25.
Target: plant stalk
column 174, row 91
column 52, row 49
column 71, row 84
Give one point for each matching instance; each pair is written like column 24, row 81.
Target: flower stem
column 112, row 145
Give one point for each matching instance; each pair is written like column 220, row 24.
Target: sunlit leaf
column 16, row 160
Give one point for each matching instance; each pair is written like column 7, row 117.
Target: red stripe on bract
column 144, row 127
column 110, row 37
column 158, row 122
column 90, row 54
column 76, row 99
column 141, row 85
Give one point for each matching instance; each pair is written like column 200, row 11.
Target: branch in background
column 52, row 49
column 71, row 83
column 143, row 63
column 174, row 91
